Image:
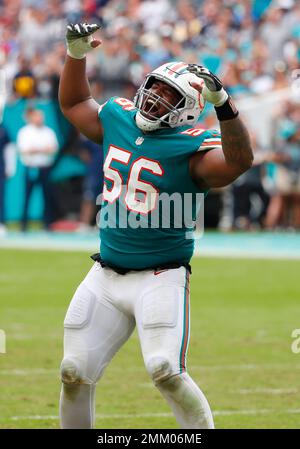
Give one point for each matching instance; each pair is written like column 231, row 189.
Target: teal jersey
column 146, row 185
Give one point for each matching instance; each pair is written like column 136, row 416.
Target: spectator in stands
column 273, row 33
column 3, row 141
column 24, row 82
column 250, row 200
column 284, row 207
column 93, row 182
column 113, row 62
column 37, row 144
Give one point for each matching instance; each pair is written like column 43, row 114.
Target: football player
column 141, row 276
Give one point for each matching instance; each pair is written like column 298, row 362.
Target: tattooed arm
column 219, row 167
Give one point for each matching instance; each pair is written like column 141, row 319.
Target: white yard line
column 49, row 244
column 246, row 254
column 100, row 416
column 28, row 372
column 26, row 337
column 266, row 411
column 242, row 367
column 161, row 415
column 90, row 244
column 270, row 391
column 246, row 391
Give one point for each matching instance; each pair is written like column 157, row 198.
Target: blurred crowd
column 253, row 45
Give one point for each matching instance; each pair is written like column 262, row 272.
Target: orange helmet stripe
column 177, row 66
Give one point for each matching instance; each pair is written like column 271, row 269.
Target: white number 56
column 134, row 183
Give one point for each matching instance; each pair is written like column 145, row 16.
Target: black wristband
column 227, row 111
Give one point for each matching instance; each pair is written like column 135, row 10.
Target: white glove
column 79, row 39
column 213, row 90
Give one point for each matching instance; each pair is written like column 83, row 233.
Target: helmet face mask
column 146, row 94
column 185, row 112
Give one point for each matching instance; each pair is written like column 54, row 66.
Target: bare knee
column 159, row 368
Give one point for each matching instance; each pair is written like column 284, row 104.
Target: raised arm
column 74, row 94
column 219, row 167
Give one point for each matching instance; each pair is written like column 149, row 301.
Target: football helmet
column 185, row 112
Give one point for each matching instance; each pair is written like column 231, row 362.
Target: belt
column 120, row 270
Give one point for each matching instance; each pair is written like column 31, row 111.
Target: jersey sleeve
column 212, row 140
column 107, row 116
column 104, row 109
column 101, row 106
column 113, row 107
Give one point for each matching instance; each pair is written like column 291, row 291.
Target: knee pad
column 80, row 309
column 70, row 372
column 159, row 368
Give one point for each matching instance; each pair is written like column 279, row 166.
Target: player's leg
column 162, row 317
column 94, row 331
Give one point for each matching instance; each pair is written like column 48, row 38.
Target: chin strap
column 146, row 124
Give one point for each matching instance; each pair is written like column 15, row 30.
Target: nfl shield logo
column 139, row 140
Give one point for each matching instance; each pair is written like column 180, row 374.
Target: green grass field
column 242, row 316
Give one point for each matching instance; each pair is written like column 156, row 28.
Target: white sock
column 187, row 401
column 77, row 406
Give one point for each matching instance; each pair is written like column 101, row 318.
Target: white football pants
column 101, row 317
